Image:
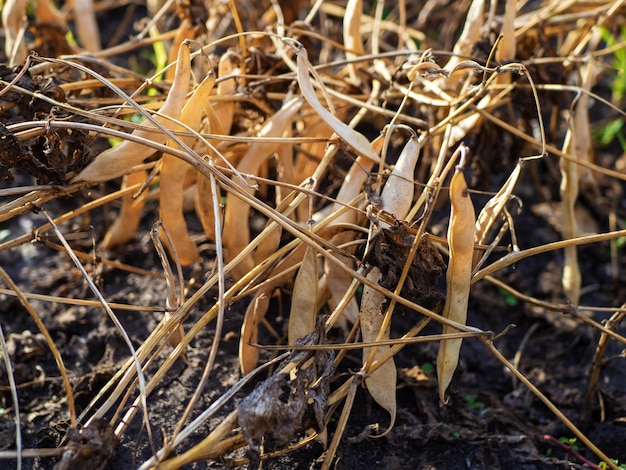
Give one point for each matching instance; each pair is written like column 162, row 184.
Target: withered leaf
column 389, row 251
column 13, row 154
column 290, row 401
column 90, row 447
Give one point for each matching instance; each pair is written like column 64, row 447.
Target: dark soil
column 491, row 421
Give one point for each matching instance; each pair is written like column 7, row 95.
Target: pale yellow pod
column 224, row 111
column 86, row 25
column 236, row 224
column 13, row 20
column 127, row 222
column 396, row 198
column 461, row 232
column 352, row 138
column 493, row 209
column 338, row 280
column 352, row 35
column 381, row 384
column 397, row 194
column 173, row 174
column 248, row 353
column 119, row 160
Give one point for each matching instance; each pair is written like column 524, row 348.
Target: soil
column 492, row 421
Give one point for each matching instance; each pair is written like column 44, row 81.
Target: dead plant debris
column 183, row 181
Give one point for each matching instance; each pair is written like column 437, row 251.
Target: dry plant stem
column 515, row 257
column 85, row 303
column 30, row 453
column 571, row 426
column 397, row 343
column 221, row 282
column 599, row 363
column 564, row 308
column 342, row 421
column 172, row 300
column 112, row 316
column 13, row 387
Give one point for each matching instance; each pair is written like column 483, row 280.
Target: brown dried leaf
column 291, row 401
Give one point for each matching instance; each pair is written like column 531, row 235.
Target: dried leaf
column 291, row 401
column 90, row 447
column 461, row 243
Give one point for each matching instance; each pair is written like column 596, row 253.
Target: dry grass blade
column 461, row 243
